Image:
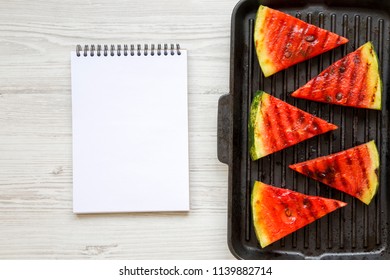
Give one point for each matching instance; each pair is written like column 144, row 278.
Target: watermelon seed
column 342, row 69
column 310, row 38
column 328, row 98
column 306, row 202
column 287, row 211
column 287, row 54
column 321, row 175
column 339, row 96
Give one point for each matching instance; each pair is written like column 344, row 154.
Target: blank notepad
column 130, row 130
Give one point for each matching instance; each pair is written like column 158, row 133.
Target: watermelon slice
column 353, row 171
column 351, row 81
column 282, row 40
column 278, row 212
column 275, row 125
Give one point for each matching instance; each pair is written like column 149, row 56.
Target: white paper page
column 130, row 133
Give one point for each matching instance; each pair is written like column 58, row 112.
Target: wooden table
column 36, row 219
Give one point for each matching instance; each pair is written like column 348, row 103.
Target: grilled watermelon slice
column 353, row 171
column 275, row 125
column 278, row 212
column 351, row 81
column 282, row 40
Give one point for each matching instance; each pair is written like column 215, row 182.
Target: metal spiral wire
column 134, row 50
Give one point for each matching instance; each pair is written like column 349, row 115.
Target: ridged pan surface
column 356, row 231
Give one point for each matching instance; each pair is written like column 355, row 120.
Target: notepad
column 130, row 129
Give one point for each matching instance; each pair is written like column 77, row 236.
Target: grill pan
column 356, row 231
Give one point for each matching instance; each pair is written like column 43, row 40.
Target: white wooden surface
column 36, row 219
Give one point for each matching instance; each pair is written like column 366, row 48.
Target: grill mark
column 362, row 93
column 300, row 117
column 309, row 206
column 374, row 93
column 290, row 123
column 351, row 165
column 362, row 165
column 309, row 45
column 324, row 206
column 361, row 97
column 321, row 170
column 321, row 205
column 302, row 122
column 271, row 137
column 330, row 178
column 344, row 183
column 280, row 127
column 326, row 82
column 277, row 25
column 326, row 39
column 338, row 40
column 305, row 202
column 313, row 84
column 272, row 16
column 282, row 52
column 315, row 127
column 306, row 170
column 353, row 77
column 302, row 43
column 349, row 160
column 341, row 70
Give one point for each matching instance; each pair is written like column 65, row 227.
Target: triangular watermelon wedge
column 278, row 212
column 275, row 125
column 353, row 171
column 351, row 81
column 282, row 40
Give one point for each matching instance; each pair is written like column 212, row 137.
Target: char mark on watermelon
column 353, row 171
column 275, row 125
column 352, row 81
column 278, row 212
column 282, row 40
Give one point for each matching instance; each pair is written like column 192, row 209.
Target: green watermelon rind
column 372, row 58
column 265, row 62
column 373, row 180
column 261, row 234
column 256, row 149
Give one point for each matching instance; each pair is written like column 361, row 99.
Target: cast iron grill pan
column 356, row 231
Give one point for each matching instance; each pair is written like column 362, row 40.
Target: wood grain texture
column 36, row 219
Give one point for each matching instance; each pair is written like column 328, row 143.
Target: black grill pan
column 356, row 231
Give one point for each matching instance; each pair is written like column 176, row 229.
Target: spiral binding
column 134, row 50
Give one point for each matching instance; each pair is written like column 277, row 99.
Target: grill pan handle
column 224, row 128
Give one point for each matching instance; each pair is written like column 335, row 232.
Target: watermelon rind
column 265, row 62
column 373, row 180
column 254, row 128
column 373, row 76
column 261, row 234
